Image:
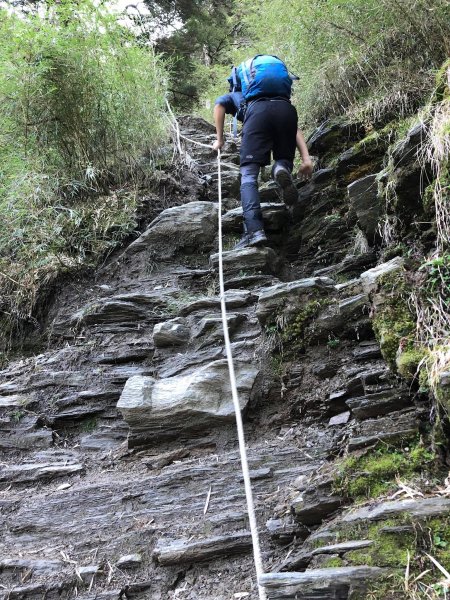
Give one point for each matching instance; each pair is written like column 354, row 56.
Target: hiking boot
column 284, row 180
column 257, row 238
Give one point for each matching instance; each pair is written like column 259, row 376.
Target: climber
column 259, row 97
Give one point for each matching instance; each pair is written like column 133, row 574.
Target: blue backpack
column 263, row 76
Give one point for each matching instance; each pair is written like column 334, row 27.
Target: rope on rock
column 234, row 392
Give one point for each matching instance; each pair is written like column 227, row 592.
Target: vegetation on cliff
column 81, row 104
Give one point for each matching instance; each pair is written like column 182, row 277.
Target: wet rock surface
column 120, row 475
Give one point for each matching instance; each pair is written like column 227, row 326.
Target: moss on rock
column 373, row 474
column 408, row 361
column 393, row 322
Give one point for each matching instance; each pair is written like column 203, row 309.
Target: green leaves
column 80, row 103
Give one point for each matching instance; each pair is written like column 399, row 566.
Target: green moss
column 372, row 475
column 394, row 546
column 408, row 362
column 293, row 333
column 439, row 539
column 332, row 562
column 89, row 425
column 393, row 321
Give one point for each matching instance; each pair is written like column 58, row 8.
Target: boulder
column 190, row 226
column 288, row 297
column 175, row 332
column 165, row 408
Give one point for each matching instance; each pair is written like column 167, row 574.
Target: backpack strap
column 245, row 75
column 234, row 78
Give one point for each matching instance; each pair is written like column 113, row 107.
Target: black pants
column 270, row 126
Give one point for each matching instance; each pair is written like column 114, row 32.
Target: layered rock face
column 120, row 473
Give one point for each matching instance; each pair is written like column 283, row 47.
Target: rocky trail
column 120, row 475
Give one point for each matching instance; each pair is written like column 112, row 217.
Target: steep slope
column 120, row 473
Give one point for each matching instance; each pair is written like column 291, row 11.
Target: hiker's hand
column 305, row 170
column 218, row 144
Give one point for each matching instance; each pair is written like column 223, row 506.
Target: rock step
column 248, row 260
column 186, row 551
column 275, row 216
column 320, row 584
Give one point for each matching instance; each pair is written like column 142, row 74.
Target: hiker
column 259, row 97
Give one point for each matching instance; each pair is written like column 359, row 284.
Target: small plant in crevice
column 333, row 342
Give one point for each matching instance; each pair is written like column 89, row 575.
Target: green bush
column 374, row 59
column 80, row 105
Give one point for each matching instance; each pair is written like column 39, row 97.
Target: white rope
column 234, row 393
column 237, row 407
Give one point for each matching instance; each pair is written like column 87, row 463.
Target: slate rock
column 343, row 547
column 284, row 530
column 394, row 426
column 192, row 225
column 87, row 573
column 421, row 508
column 175, row 332
column 123, row 308
column 233, row 299
column 378, row 404
column 361, row 159
column 130, row 561
column 366, row 204
column 211, row 326
column 29, row 472
column 367, row 350
column 319, row 584
column 338, row 318
column 251, row 282
column 407, row 150
column 15, row 401
column 275, row 217
column 185, row 551
column 35, row 566
column 331, row 135
column 316, row 503
column 370, row 279
column 289, row 297
column 340, row 419
column 262, row 260
column 164, row 408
